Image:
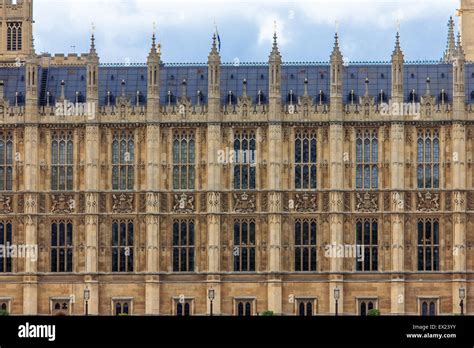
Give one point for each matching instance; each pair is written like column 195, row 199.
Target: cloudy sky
column 184, row 28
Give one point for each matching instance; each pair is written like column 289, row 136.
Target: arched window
column 245, row 147
column 61, row 246
column 248, row 309
column 122, row 246
column 6, row 161
column 305, row 246
column 305, row 307
column 352, row 97
column 367, row 156
column 240, row 311
column 443, row 97
column 292, row 98
column 14, row 36
column 122, row 307
column 428, row 245
column 184, row 160
column 62, row 161
column 244, row 246
column 428, row 308
column 428, row 159
column 183, row 246
column 5, row 241
column 367, row 245
column 123, row 159
column 302, row 311
column 305, row 160
column 244, row 308
column 366, row 306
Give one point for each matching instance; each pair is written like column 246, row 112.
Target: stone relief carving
column 5, row 204
column 183, row 203
column 244, row 203
column 427, row 201
column 368, row 202
column 62, row 204
column 306, row 202
column 122, row 203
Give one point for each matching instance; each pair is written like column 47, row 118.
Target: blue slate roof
column 256, row 75
column 14, row 81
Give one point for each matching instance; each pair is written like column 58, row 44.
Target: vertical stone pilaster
column 336, row 174
column 214, row 185
column 92, row 197
column 275, row 139
column 397, row 180
column 91, row 175
column 152, row 242
column 30, row 294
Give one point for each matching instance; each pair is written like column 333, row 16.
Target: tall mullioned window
column 367, row 243
column 305, row 160
column 62, row 161
column 183, row 246
column 305, row 246
column 245, row 171
column 184, row 160
column 428, row 245
column 6, row 161
column 5, row 240
column 428, row 159
column 367, row 156
column 61, row 246
column 122, row 246
column 123, row 154
column 14, row 36
column 244, row 246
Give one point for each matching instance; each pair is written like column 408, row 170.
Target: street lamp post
column 87, row 295
column 211, row 293
column 462, row 295
column 337, row 293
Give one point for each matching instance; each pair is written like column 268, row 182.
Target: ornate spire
column 397, row 52
column 154, row 55
column 92, row 50
column 459, row 49
column 214, row 44
column 275, row 52
column 451, row 42
column 336, row 52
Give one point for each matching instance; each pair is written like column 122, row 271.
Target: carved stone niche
column 244, row 202
column 367, row 202
column 427, row 201
column 306, row 202
column 62, row 204
column 183, row 203
column 470, row 201
column 5, row 204
column 122, row 203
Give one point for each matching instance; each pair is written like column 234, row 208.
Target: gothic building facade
column 277, row 185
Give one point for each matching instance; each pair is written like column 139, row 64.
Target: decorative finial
column 336, row 24
column 92, row 49
column 275, row 33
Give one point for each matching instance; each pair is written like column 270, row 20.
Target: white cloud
column 124, row 26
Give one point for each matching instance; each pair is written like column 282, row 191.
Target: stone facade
column 164, row 277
